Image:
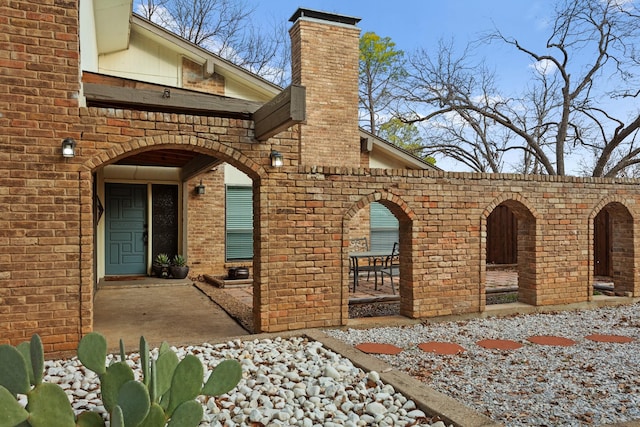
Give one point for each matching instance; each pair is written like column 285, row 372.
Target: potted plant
column 179, row 268
column 160, row 266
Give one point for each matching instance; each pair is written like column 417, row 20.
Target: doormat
column 123, row 278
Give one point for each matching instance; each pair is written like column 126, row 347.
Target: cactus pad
column 165, row 367
column 117, row 420
column 49, row 402
column 92, row 352
column 14, row 375
column 144, row 361
column 111, row 381
column 11, row 412
column 36, row 358
column 133, row 399
column 188, row 414
column 155, row 417
column 25, row 350
column 90, row 419
column 224, row 378
column 186, row 382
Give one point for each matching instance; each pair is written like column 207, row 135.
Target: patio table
column 374, row 256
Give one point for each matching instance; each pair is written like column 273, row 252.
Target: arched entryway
column 613, row 250
column 163, row 176
column 509, row 261
column 377, row 236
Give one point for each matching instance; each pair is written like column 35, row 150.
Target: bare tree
column 439, row 85
column 226, row 28
column 151, row 8
column 268, row 56
column 570, row 106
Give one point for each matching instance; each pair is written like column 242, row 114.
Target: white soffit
column 112, row 24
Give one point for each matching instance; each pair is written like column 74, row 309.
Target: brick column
column 324, row 56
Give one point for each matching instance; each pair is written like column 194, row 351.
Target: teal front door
column 125, row 229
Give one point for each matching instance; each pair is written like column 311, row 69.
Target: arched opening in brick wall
column 613, row 251
column 511, row 233
column 177, row 192
column 379, row 226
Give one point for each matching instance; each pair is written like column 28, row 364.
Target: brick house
column 213, row 229
column 80, row 71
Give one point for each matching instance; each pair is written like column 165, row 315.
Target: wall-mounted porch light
column 276, row 159
column 200, row 188
column 68, row 147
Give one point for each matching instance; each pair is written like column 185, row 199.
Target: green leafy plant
column 179, row 261
column 21, row 372
column 162, row 259
column 168, row 388
column 164, row 397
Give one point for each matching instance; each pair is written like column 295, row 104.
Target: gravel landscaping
column 590, row 383
column 287, row 382
column 297, row 381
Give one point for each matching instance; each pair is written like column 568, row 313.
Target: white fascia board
column 112, row 22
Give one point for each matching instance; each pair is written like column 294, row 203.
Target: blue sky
column 422, row 23
column 419, row 22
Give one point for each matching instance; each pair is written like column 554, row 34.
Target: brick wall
column 39, row 194
column 193, row 77
column 206, row 230
column 442, row 239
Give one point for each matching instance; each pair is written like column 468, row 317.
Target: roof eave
column 202, row 56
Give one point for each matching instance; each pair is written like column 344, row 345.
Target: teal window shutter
column 384, row 228
column 239, row 223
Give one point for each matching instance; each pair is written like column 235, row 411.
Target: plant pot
column 242, row 273
column 156, row 270
column 179, row 272
column 237, row 273
column 164, row 271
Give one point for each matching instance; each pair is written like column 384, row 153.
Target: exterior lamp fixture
column 200, row 188
column 276, row 159
column 68, row 147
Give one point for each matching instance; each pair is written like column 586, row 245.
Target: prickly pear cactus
column 144, row 361
column 188, row 414
column 186, row 383
column 133, row 399
column 12, row 412
column 89, row 419
column 92, row 352
column 21, row 368
column 36, row 353
column 14, row 375
column 112, row 380
column 166, row 393
column 49, row 402
column 224, row 377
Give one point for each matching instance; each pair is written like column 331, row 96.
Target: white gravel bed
column 584, row 384
column 286, row 382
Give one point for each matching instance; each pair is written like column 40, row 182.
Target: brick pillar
column 324, row 59
column 41, row 234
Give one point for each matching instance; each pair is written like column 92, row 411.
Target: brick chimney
column 324, row 57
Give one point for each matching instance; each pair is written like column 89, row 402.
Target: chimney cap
column 324, row 16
